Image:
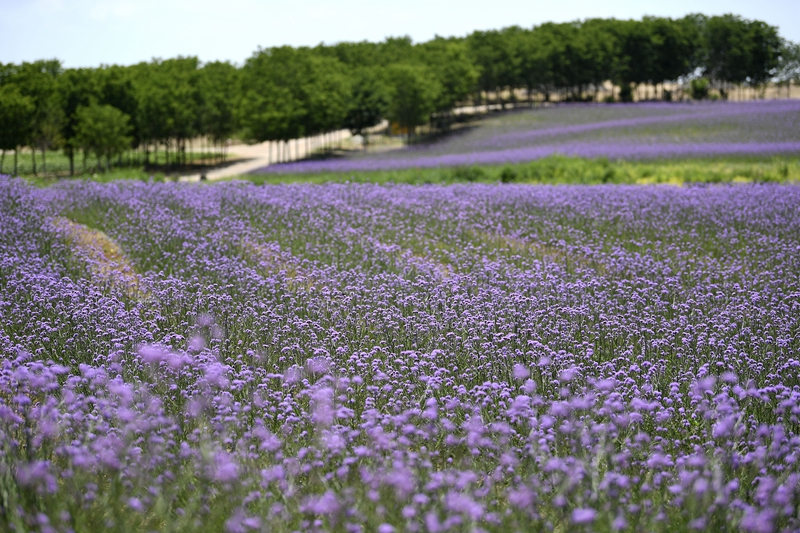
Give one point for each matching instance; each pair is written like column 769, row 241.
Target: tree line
column 128, row 113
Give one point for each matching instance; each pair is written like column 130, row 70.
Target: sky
column 88, row 33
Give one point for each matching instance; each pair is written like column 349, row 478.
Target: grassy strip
column 572, row 170
column 58, row 166
column 115, row 174
column 555, row 170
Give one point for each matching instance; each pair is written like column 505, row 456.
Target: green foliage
column 16, row 113
column 103, row 130
column 128, row 165
column 626, row 93
column 289, row 93
column 469, row 174
column 324, row 89
column 448, row 61
column 508, row 174
column 38, row 82
column 117, row 88
column 168, row 99
column 493, row 54
column 218, row 83
column 77, row 88
column 739, row 51
column 413, row 95
column 698, row 88
column 369, row 101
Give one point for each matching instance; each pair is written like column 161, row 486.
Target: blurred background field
column 652, row 88
column 618, row 132
column 570, row 143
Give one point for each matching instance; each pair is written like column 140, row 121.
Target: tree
column 117, row 89
column 289, row 93
column 448, row 60
column 538, row 54
column 636, row 54
column 76, row 88
column 369, row 102
column 103, row 130
column 739, row 51
column 597, row 52
column 324, row 88
column 168, row 103
column 673, row 49
column 395, row 50
column 493, row 54
column 413, row 92
column 725, row 50
column 532, row 67
column 763, row 52
column 219, row 95
column 272, row 108
column 788, row 69
column 37, row 80
column 353, row 55
column 16, row 114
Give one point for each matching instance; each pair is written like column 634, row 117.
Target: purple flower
column 152, row 354
column 225, row 468
column 325, row 504
column 583, row 516
column 521, row 372
column 135, row 504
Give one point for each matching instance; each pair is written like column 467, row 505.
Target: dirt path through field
column 249, row 157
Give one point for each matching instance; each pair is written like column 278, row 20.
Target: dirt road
column 249, row 157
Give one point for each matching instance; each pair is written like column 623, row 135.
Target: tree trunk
column 44, row 160
column 16, row 151
column 2, row 159
column 71, row 163
column 33, row 158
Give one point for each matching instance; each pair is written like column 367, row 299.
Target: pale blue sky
column 90, row 32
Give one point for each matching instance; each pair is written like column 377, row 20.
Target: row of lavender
column 641, row 131
column 366, row 358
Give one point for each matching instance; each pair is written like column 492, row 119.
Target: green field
column 572, row 170
column 555, row 170
column 126, row 167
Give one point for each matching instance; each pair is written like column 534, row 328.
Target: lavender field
column 395, row 358
column 629, row 132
